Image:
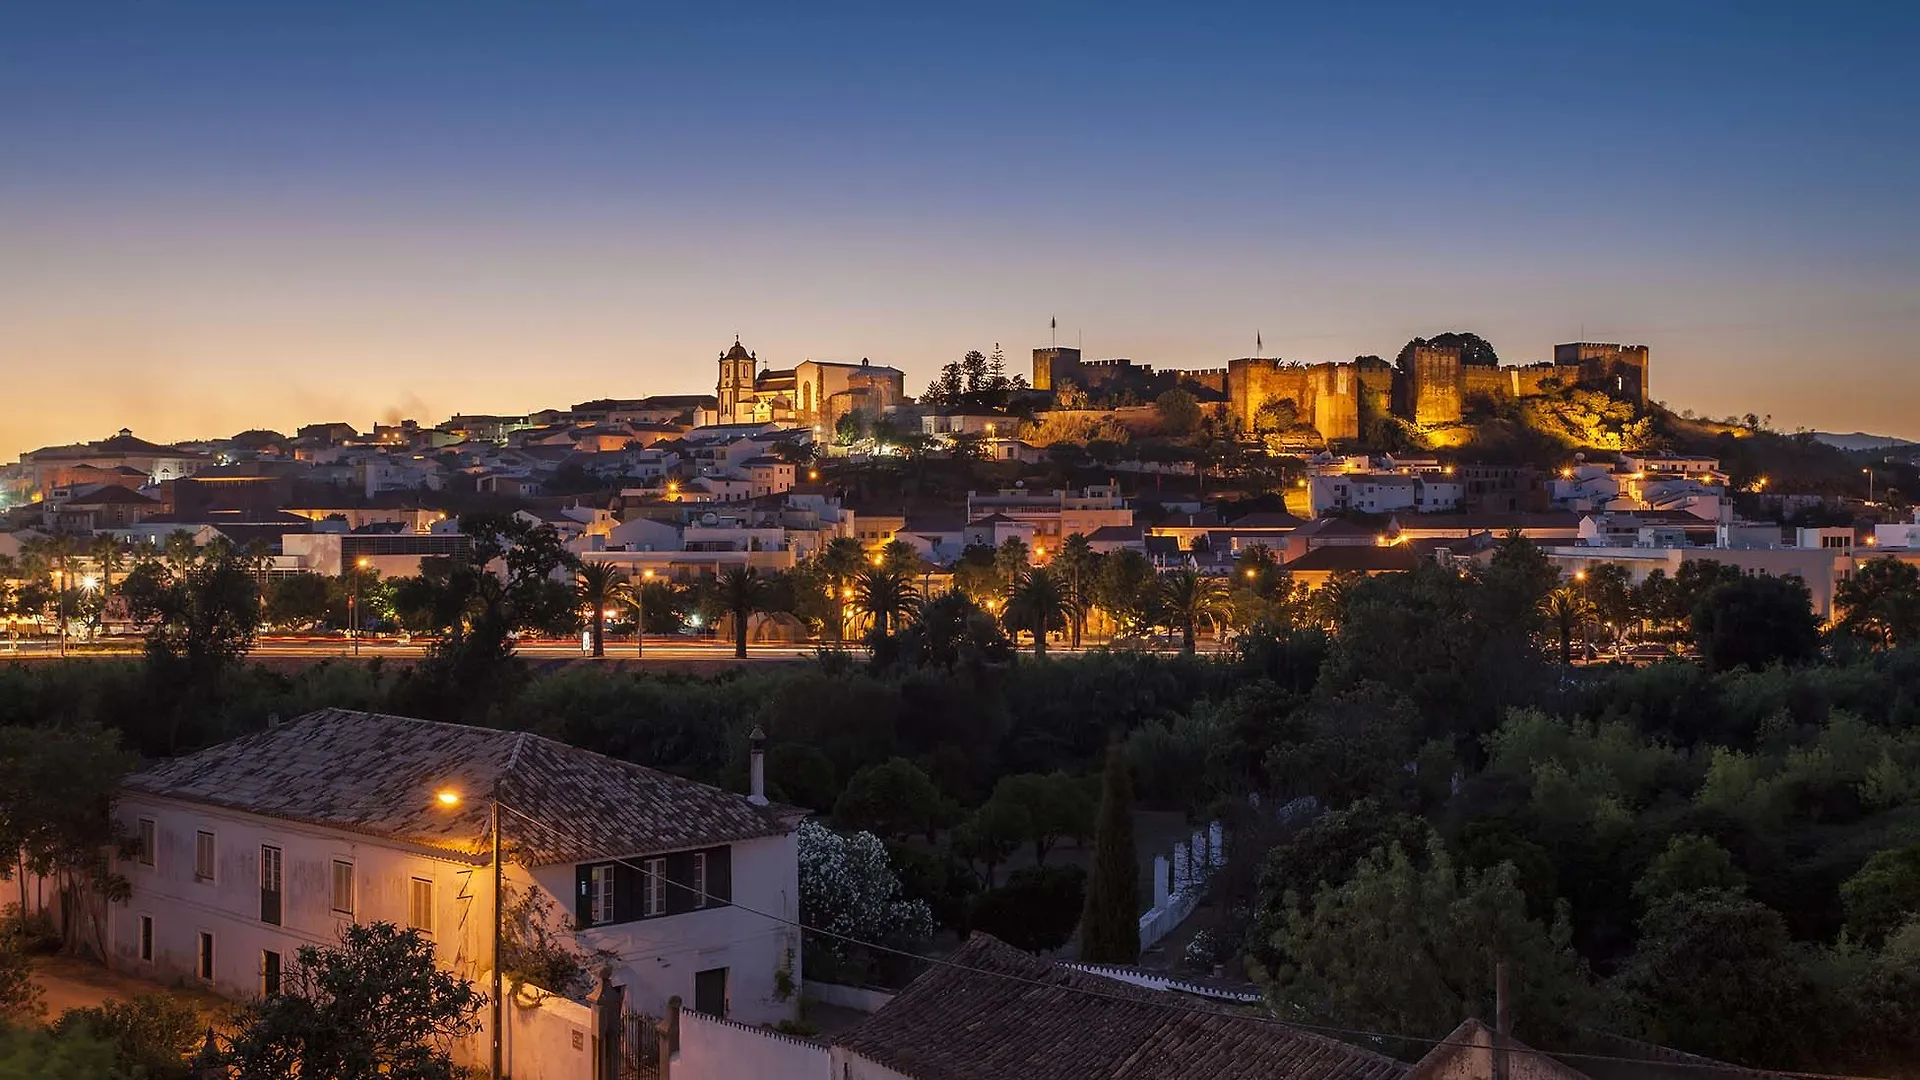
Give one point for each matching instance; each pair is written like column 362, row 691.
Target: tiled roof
column 1370, row 559
column 1266, row 519
column 1115, row 534
column 996, row 1011
column 379, row 774
column 102, row 494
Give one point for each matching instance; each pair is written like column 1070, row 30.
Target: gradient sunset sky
column 216, row 216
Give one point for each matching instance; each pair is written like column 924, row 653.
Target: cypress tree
column 1110, row 924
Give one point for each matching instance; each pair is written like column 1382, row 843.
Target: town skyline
column 555, row 395
column 255, row 217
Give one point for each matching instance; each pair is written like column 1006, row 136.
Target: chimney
column 757, row 767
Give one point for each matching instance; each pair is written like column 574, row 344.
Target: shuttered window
column 342, row 887
column 420, row 905
column 656, row 887
column 269, row 884
column 203, row 856
column 600, row 902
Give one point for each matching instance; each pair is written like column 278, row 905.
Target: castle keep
column 1428, row 384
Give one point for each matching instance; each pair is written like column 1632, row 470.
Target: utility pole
column 493, row 814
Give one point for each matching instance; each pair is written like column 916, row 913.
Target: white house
column 255, row 847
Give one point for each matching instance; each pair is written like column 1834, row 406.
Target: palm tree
column 1078, row 567
column 841, row 559
column 109, row 558
column 50, row 556
column 744, row 592
column 1036, row 603
column 180, row 551
column 9, row 573
column 1188, row 598
column 1568, row 607
column 600, row 585
column 887, row 595
column 899, row 555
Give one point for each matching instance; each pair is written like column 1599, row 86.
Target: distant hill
column 1860, row 440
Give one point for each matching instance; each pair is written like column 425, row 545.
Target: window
column 420, row 905
column 600, row 899
column 269, row 974
column 700, row 879
column 270, row 884
column 342, row 887
column 149, row 841
column 203, row 856
column 205, row 966
column 656, row 887
column 146, row 938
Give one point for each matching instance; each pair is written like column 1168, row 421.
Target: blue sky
column 239, row 214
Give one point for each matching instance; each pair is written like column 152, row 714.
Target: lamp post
column 640, row 615
column 450, row 799
column 353, row 602
column 1869, row 473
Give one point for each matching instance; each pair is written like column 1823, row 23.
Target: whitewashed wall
column 715, row 1049
column 229, row 905
column 658, row 957
column 550, row 1040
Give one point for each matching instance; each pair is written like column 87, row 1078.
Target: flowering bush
column 849, row 888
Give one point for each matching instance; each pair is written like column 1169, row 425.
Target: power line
column 1180, row 1007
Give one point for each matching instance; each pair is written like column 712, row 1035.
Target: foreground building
column 992, row 1012
column 250, row 849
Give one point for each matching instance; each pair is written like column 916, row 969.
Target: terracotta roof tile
column 378, row 774
column 969, row 1019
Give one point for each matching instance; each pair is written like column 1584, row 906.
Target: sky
column 217, row 216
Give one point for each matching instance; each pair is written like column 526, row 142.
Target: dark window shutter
column 680, row 882
column 583, row 895
column 719, row 876
column 629, row 884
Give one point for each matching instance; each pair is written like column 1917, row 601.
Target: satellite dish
column 709, row 518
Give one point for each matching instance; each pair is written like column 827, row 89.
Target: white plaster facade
column 657, row 958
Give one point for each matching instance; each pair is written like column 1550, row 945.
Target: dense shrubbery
column 1451, row 790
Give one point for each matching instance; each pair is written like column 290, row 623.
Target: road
column 322, row 648
column 663, row 649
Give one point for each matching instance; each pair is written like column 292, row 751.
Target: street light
column 640, row 615
column 450, row 798
column 353, row 602
column 1869, row 473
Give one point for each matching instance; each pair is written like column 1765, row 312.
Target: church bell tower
column 736, row 382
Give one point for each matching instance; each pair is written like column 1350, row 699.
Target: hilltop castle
column 1429, row 384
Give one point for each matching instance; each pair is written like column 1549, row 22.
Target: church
column 814, row 393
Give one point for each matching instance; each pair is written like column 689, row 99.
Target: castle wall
column 1336, row 401
column 1054, row 366
column 1620, row 370
column 1432, row 382
column 1214, row 379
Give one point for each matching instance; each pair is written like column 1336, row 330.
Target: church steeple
column 736, row 380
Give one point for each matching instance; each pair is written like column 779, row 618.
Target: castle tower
column 736, row 383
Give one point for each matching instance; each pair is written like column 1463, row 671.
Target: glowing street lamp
column 353, row 603
column 449, row 798
column 640, row 614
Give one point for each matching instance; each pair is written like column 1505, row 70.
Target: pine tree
column 1110, row 925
